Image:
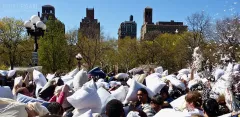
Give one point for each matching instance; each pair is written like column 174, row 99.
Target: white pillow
column 89, row 85
column 132, row 92
column 105, row 97
column 50, row 76
column 226, row 115
column 120, row 93
column 133, row 114
column 79, row 113
column 159, row 70
column 165, row 73
column 139, row 78
column 193, row 82
column 121, row 76
column 184, row 71
column 6, row 92
column 102, row 84
column 73, row 72
column 176, row 82
column 229, row 68
column 85, row 98
column 129, row 81
column 11, row 73
column 171, row 113
column 100, row 80
column 18, row 81
column 79, row 79
column 218, row 73
column 11, row 108
column 39, row 79
column 154, row 83
column 236, row 67
column 87, row 114
column 179, row 103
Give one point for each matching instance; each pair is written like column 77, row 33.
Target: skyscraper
column 127, row 28
column 89, row 26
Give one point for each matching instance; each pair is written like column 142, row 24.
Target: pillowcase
column 154, row 83
column 105, row 97
column 79, row 79
column 120, row 93
column 132, row 93
column 85, row 98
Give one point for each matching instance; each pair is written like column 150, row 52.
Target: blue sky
column 110, row 13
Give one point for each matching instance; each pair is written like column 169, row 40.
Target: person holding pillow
column 143, row 103
column 59, row 94
column 194, row 103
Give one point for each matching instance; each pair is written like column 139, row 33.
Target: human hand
column 65, row 88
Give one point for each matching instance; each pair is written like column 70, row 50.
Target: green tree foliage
column 11, row 36
column 127, row 48
column 52, row 47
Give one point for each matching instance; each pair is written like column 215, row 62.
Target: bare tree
column 89, row 45
column 228, row 32
column 200, row 25
column 72, row 39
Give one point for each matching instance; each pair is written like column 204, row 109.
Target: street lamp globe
column 35, row 19
column 28, row 24
column 79, row 56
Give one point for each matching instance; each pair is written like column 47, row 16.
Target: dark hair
column 211, row 107
column 145, row 92
column 165, row 90
column 194, row 97
column 114, row 108
column 157, row 99
column 55, row 108
column 31, row 87
column 142, row 113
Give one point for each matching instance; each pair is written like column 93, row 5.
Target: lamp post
column 35, row 27
column 79, row 58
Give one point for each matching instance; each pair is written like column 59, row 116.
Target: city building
column 47, row 10
column 160, row 27
column 128, row 28
column 89, row 26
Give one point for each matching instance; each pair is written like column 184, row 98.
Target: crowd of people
column 137, row 93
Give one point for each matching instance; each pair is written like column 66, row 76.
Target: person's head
column 193, row 100
column 24, row 91
column 142, row 95
column 211, row 107
column 36, row 109
column 164, row 92
column 157, row 102
column 114, row 108
column 55, row 108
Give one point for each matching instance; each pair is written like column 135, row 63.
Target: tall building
column 127, row 28
column 47, row 10
column 89, row 26
column 160, row 27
